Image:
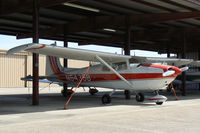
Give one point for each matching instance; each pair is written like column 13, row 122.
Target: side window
column 132, row 65
column 122, row 67
column 105, row 68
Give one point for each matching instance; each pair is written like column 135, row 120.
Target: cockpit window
column 120, row 66
column 116, row 66
column 135, row 65
column 105, row 68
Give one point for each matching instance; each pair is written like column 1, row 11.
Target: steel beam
column 25, row 69
column 14, row 6
column 35, row 96
column 199, row 67
column 65, row 60
column 183, row 55
column 127, row 49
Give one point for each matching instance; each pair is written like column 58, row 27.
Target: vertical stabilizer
column 53, row 65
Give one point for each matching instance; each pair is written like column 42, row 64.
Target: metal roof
column 157, row 25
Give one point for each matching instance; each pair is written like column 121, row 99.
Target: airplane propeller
column 184, row 68
column 168, row 73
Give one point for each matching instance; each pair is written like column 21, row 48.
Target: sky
column 7, row 42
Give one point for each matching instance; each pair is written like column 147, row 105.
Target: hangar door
column 11, row 70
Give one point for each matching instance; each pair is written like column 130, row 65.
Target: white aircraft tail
column 53, row 65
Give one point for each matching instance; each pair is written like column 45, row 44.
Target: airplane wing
column 196, row 63
column 169, row 61
column 88, row 55
column 70, row 53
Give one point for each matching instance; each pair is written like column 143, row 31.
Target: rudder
column 53, row 65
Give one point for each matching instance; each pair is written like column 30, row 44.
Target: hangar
column 165, row 26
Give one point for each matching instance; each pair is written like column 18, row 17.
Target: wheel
column 106, row 99
column 66, row 93
column 127, row 94
column 139, row 97
column 159, row 103
column 93, row 91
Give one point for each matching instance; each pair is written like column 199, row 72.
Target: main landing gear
column 106, row 98
column 67, row 92
column 139, row 97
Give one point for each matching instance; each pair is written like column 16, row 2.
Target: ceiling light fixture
column 111, row 30
column 81, row 7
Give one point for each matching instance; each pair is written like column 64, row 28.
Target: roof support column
column 127, row 49
column 168, row 52
column 183, row 55
column 65, row 62
column 199, row 67
column 35, row 96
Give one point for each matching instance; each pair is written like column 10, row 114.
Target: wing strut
column 120, row 76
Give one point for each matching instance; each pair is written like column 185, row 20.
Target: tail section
column 53, row 65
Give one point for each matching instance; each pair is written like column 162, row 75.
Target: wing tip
column 23, row 48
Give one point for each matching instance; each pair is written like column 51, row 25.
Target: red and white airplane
column 114, row 71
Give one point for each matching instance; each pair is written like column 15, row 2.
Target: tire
column 140, row 97
column 66, row 93
column 159, row 103
column 106, row 99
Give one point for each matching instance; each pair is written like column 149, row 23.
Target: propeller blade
column 184, row 68
column 168, row 73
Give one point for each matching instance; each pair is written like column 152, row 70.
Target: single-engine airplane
column 114, row 71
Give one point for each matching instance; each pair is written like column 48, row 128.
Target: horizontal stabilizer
column 42, row 79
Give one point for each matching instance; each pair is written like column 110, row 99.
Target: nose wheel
column 158, row 99
column 159, row 103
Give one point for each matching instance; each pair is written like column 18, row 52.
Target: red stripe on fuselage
column 127, row 76
column 111, row 77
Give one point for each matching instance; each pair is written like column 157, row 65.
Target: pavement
column 86, row 114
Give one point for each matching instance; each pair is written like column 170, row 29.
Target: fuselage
column 142, row 77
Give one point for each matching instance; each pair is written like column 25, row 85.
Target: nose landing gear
column 158, row 99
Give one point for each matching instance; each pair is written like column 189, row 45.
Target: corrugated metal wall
column 13, row 67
